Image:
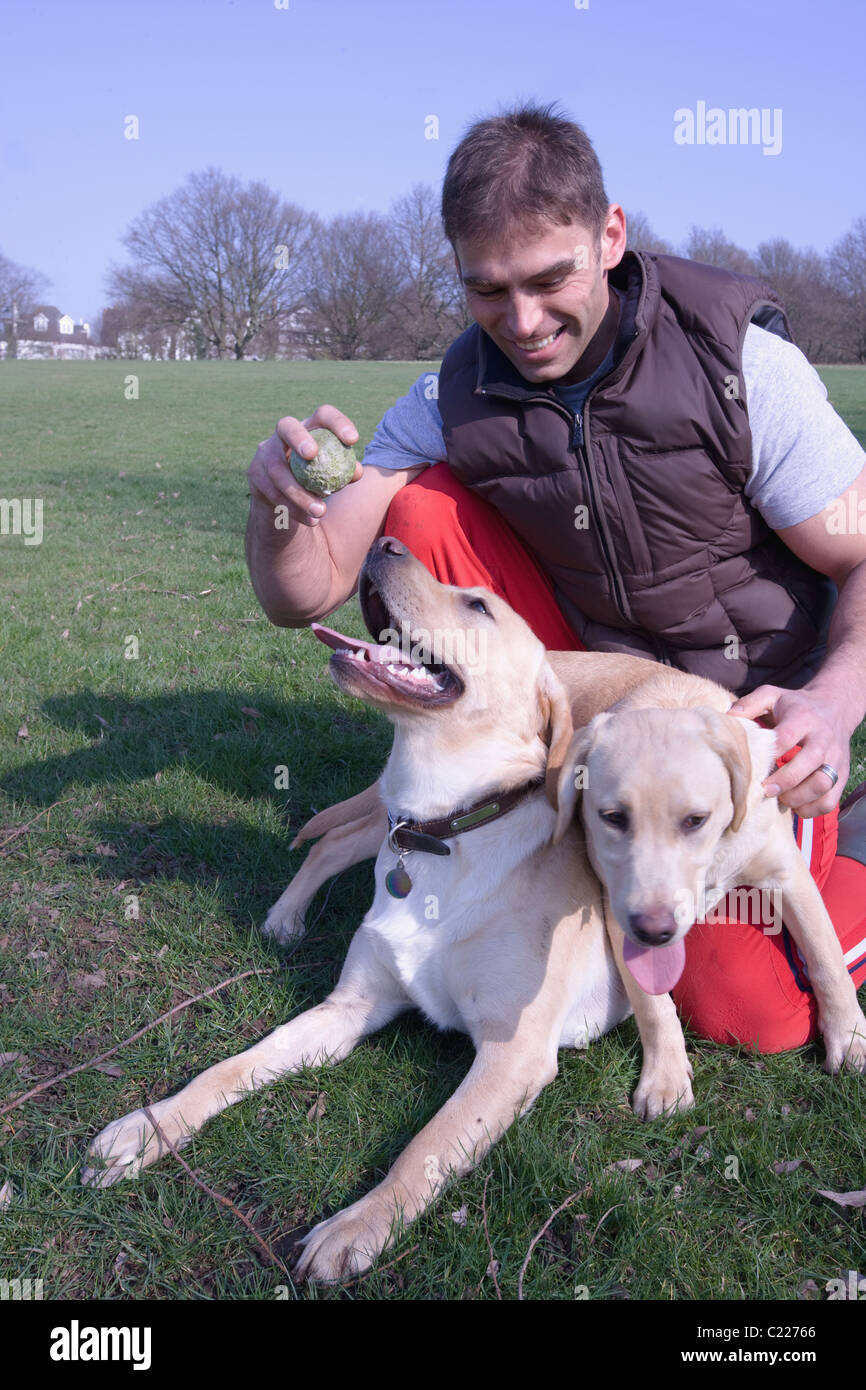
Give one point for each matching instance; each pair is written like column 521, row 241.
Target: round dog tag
column 398, row 882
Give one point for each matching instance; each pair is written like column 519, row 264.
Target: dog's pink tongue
column 656, row 968
column 337, row 640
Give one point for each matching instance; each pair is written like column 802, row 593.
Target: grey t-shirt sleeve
column 803, row 454
column 409, row 435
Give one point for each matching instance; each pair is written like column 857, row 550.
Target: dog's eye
column 694, row 822
column 479, row 605
column 617, row 819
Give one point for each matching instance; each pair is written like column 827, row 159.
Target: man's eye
column 485, row 294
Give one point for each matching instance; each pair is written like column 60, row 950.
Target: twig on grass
column 21, row 828
column 272, row 1256
column 94, row 1061
column 491, row 1268
column 536, row 1238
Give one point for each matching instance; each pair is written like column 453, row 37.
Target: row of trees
column 825, row 296
column 237, row 271
column 220, row 268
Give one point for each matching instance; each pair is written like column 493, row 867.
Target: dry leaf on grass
column 844, row 1199
column 6, row 1195
column 83, row 983
column 319, row 1106
column 790, row 1165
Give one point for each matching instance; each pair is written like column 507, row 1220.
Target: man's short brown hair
column 525, row 169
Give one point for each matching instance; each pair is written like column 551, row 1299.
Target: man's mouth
column 385, row 667
column 538, row 344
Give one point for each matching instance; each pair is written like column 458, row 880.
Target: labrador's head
column 445, row 654
column 659, row 791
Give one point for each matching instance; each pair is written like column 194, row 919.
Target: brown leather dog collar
column 429, row 835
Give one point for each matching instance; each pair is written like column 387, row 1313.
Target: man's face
column 542, row 297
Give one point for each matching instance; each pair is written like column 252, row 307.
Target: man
column 636, row 464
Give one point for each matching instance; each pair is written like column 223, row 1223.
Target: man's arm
column 823, row 715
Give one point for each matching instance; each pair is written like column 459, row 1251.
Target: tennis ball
column 331, row 469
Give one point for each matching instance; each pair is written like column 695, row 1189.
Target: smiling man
column 631, row 451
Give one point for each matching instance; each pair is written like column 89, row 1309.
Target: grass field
column 147, row 786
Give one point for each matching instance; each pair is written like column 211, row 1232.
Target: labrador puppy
column 479, row 920
column 669, row 787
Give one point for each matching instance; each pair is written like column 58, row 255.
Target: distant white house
column 45, row 332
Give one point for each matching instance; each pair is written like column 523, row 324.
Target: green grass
column 166, row 791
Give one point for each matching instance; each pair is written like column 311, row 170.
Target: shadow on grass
column 329, row 752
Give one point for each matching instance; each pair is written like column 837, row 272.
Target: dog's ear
column 726, row 736
column 556, row 726
column 572, row 778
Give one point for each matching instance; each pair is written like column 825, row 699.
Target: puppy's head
column 659, row 789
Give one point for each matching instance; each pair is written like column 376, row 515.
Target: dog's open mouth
column 407, row 669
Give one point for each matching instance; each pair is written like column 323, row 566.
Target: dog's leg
column 839, row 1013
column 355, row 808
column 366, row 998
column 665, row 1083
column 504, row 1080
column 343, row 845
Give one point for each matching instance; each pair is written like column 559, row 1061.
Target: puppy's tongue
column 372, row 650
column 656, row 968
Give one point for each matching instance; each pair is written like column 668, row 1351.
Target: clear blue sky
column 326, row 101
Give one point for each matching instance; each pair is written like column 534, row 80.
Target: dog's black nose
column 390, row 545
column 655, row 927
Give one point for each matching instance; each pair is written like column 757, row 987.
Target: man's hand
column 272, row 480
column 824, row 731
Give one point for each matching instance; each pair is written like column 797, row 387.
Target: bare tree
column 218, row 257
column 815, row 307
column 351, row 288
column 20, row 286
column 846, row 262
column 429, row 304
column 712, row 247
column 21, row 289
column 641, row 236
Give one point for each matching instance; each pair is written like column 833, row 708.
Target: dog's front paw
column 846, row 1045
column 284, row 922
column 346, row 1244
column 665, row 1087
column 127, row 1145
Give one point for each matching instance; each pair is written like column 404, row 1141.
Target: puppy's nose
column 653, row 928
column 390, row 545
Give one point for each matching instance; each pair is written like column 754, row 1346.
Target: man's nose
column 524, row 318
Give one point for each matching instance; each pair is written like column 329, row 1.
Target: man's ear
column 556, row 726
column 727, row 736
column 572, row 777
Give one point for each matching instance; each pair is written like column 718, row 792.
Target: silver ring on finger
column 831, row 773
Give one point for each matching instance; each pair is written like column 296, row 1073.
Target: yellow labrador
column 675, row 817
column 483, row 922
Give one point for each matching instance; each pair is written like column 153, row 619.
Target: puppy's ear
column 726, row 736
column 556, row 726
column 572, row 778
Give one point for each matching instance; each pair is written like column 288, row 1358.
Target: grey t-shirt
column 803, row 454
